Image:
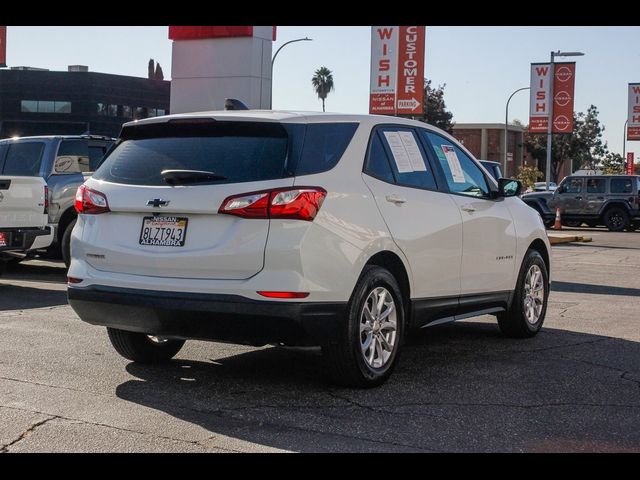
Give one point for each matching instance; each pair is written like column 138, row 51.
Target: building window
column 141, row 112
column 107, row 110
column 126, row 111
column 63, row 107
column 156, row 112
column 45, row 106
column 29, row 106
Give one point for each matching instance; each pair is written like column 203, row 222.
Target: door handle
column 395, row 199
column 468, row 208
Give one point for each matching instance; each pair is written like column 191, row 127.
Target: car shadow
column 14, row 297
column 21, row 295
column 461, row 387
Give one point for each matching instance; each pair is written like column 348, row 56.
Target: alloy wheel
column 378, row 328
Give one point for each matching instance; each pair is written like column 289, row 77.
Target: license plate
column 163, row 231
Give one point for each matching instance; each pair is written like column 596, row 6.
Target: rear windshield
column 23, row 159
column 237, row 151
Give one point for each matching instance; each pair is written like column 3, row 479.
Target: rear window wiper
column 185, row 177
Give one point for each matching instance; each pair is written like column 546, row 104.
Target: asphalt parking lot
column 458, row 388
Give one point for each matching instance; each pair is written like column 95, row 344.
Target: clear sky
column 481, row 66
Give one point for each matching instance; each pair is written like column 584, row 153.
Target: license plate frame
column 168, row 241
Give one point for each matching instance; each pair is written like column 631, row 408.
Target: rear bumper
column 230, row 318
column 23, row 239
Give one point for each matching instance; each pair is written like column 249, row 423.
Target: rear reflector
column 284, row 294
column 74, row 280
column 294, row 203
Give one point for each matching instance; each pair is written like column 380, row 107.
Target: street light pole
column 550, row 120
column 305, row 39
column 506, row 127
column 624, row 141
column 547, row 167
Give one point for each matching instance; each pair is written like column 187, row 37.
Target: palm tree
column 322, row 83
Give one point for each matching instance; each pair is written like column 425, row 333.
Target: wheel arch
column 392, row 262
column 613, row 204
column 539, row 246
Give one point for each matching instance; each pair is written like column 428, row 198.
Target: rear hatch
column 22, row 202
column 174, row 230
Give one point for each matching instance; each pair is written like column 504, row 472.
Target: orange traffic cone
column 558, row 224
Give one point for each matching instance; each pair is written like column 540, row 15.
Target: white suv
column 260, row 227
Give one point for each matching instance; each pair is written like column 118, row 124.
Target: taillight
column 90, row 202
column 296, row 203
column 46, row 199
column 248, row 205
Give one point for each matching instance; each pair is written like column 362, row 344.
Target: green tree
column 589, row 132
column 528, row 175
column 158, row 74
column 434, row 108
column 322, row 82
column 613, row 163
column 583, row 147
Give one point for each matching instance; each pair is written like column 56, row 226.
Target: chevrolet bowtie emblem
column 157, row 202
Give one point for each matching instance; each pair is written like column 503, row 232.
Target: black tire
column 616, row 219
column 513, row 323
column 343, row 354
column 592, row 224
column 66, row 243
column 138, row 347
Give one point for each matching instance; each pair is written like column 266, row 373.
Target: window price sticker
column 405, row 151
column 454, row 163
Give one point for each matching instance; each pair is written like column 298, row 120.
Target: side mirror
column 509, row 187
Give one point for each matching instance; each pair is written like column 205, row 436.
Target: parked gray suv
column 609, row 200
column 64, row 161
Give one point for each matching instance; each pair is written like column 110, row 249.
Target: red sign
column 410, row 93
column 563, row 90
column 630, row 163
column 194, row 32
column 633, row 128
column 397, row 70
column 3, row 46
column 3, row 239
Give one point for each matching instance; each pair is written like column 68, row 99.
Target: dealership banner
column 3, row 46
column 563, row 90
column 630, row 165
column 397, row 70
column 563, row 79
column 539, row 98
column 633, row 127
